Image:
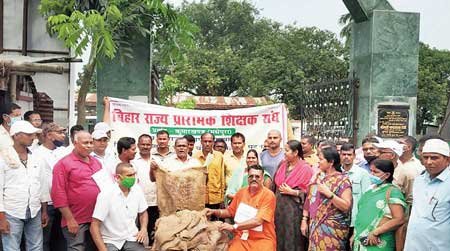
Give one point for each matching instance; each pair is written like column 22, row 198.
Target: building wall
column 55, row 85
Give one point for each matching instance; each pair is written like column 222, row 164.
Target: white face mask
column 13, row 120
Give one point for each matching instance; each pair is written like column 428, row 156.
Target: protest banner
column 131, row 118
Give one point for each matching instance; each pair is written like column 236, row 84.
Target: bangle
column 220, row 213
column 305, row 218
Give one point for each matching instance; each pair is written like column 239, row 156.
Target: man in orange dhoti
column 253, row 209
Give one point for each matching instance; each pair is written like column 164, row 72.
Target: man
column 266, row 145
column 73, row 130
column 163, row 149
column 180, row 161
column 358, row 176
column 220, row 145
column 271, row 158
column 23, row 194
column 34, row 118
column 103, row 126
column 10, row 113
column 113, row 226
column 429, row 223
column 100, row 144
column 126, row 148
column 191, row 143
column 235, row 158
column 410, row 167
column 50, row 152
column 255, row 229
column 422, row 141
column 74, row 192
column 370, row 152
column 142, row 165
column 213, row 160
column 309, row 154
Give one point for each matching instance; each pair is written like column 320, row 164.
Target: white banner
column 131, row 119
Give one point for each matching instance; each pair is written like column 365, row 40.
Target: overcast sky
column 434, row 15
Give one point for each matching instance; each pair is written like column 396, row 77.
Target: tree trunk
column 85, row 85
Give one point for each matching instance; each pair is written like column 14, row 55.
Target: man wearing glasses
column 253, row 209
column 429, row 223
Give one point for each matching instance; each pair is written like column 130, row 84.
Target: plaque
column 393, row 121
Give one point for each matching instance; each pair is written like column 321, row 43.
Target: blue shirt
column 365, row 165
column 429, row 224
column 271, row 163
column 360, row 183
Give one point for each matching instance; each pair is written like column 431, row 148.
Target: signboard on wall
column 393, row 121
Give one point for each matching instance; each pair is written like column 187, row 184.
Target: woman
column 380, row 210
column 239, row 177
column 291, row 182
column 326, row 214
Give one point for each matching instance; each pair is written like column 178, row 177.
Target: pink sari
column 299, row 177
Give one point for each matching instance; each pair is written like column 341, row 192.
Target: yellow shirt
column 232, row 163
column 312, row 159
column 216, row 177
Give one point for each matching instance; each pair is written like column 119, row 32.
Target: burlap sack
column 189, row 230
column 180, row 190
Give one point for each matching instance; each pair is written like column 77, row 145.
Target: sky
column 324, row 14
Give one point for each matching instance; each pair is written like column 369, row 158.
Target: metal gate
column 329, row 110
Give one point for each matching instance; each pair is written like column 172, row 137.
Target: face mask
column 128, row 182
column 375, row 179
column 370, row 158
column 13, row 120
column 58, row 143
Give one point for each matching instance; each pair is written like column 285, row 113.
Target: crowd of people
column 91, row 194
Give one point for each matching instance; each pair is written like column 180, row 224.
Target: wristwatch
column 235, row 226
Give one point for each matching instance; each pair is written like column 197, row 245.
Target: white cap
column 102, row 126
column 436, row 146
column 396, row 147
column 98, row 134
column 23, row 126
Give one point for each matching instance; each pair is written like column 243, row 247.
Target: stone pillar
column 385, row 57
column 128, row 79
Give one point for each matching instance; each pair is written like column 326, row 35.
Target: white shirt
column 5, row 138
column 173, row 163
column 142, row 167
column 108, row 161
column 47, row 159
column 118, row 214
column 20, row 187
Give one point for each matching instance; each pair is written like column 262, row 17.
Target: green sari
column 372, row 207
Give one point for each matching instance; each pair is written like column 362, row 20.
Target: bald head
column 274, row 139
column 83, row 144
column 123, row 167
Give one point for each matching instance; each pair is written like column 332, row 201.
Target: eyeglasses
column 254, row 177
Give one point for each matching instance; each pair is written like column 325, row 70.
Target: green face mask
column 128, row 182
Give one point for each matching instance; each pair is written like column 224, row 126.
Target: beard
column 370, row 158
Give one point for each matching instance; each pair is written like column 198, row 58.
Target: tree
column 107, row 26
column 239, row 53
column 433, row 86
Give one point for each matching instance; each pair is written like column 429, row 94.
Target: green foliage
column 186, row 104
column 434, row 86
column 239, row 53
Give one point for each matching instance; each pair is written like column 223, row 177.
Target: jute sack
column 180, row 190
column 189, row 230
